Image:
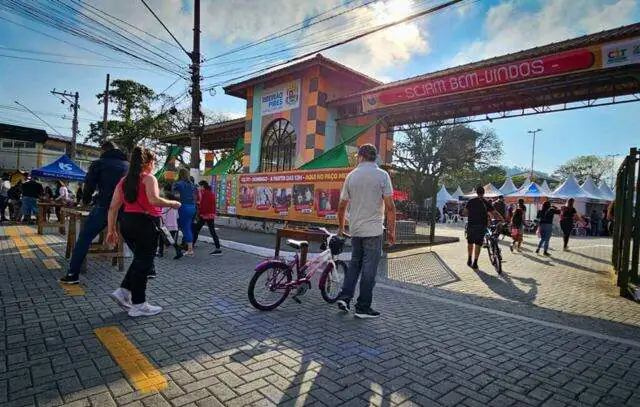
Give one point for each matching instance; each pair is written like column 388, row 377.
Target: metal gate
column 626, row 225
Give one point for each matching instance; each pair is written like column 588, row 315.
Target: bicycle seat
column 297, row 244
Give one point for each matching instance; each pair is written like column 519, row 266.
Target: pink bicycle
column 273, row 279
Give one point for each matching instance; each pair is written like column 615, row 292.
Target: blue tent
column 62, row 168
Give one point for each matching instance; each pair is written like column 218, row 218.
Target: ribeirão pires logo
column 65, row 167
column 292, row 93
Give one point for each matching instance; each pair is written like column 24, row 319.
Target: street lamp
column 533, row 148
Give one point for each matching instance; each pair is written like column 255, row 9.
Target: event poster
column 225, row 189
column 304, row 196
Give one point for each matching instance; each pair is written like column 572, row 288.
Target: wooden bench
column 99, row 249
column 43, row 208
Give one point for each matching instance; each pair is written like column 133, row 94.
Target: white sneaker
column 144, row 309
column 122, row 297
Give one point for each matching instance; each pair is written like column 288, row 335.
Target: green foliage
column 425, row 156
column 584, row 166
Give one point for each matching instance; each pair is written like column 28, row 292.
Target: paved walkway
column 450, row 345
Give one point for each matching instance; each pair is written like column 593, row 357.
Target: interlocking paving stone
column 214, row 349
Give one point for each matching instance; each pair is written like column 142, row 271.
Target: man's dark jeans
column 94, row 224
column 365, row 257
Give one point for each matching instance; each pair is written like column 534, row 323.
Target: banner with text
column 303, row 196
column 281, row 98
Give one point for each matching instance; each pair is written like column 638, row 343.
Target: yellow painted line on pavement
column 73, row 290
column 43, row 246
column 51, row 264
column 23, row 248
column 144, row 376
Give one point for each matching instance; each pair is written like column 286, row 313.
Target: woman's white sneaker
column 144, row 309
column 122, row 297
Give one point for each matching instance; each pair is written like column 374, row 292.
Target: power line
column 283, row 32
column 165, row 27
column 350, row 39
column 39, row 118
column 70, row 63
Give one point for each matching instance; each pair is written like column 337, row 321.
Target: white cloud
column 507, row 28
column 388, row 48
column 239, row 21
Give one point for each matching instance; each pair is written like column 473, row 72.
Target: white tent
column 533, row 190
column 571, row 189
column 508, row 187
column 526, row 183
column 606, row 192
column 545, row 187
column 490, row 191
column 589, row 186
column 458, row 193
column 443, row 197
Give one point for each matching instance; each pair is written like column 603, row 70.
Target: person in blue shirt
column 186, row 192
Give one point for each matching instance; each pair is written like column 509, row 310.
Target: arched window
column 278, row 147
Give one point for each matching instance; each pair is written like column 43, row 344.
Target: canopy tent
column 444, row 196
column 533, row 193
column 458, row 193
column 338, row 157
column 224, row 166
column 571, row 189
column 545, row 187
column 606, row 192
column 508, row 187
column 62, row 168
column 526, row 183
column 490, row 191
column 589, row 186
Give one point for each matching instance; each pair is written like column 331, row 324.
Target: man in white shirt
column 368, row 192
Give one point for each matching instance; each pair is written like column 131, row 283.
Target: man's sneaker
column 144, row 309
column 475, row 265
column 367, row 313
column 122, row 297
column 152, row 274
column 69, row 279
column 469, row 263
column 343, row 305
column 216, row 252
column 547, row 254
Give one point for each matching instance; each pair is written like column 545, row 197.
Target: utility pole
column 533, row 148
column 74, row 123
column 105, row 101
column 196, row 94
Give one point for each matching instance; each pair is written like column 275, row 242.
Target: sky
column 476, row 30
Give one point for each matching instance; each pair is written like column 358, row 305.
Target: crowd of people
column 21, row 201
column 128, row 202
column 480, row 210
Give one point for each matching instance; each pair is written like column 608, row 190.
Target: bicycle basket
column 336, row 244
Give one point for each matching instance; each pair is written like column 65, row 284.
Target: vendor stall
column 63, row 168
column 508, row 187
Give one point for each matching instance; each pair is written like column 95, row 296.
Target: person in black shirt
column 567, row 216
column 477, row 211
column 31, row 191
column 500, row 206
column 545, row 216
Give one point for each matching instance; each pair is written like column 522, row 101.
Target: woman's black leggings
column 212, row 230
column 567, row 228
column 140, row 234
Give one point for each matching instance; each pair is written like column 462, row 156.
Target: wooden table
column 310, row 235
column 43, row 208
column 99, row 249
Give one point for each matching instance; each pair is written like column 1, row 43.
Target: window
column 18, row 144
column 7, row 144
column 278, row 147
column 30, row 144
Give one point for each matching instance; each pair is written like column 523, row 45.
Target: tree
column 584, row 166
column 137, row 122
column 425, row 154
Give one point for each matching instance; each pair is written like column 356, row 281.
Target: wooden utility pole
column 105, row 101
column 196, row 94
column 74, row 123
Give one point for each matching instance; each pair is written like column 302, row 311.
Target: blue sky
column 478, row 30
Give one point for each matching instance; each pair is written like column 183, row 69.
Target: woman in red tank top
column 138, row 192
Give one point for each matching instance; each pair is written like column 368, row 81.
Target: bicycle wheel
column 497, row 257
column 269, row 288
column 331, row 281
